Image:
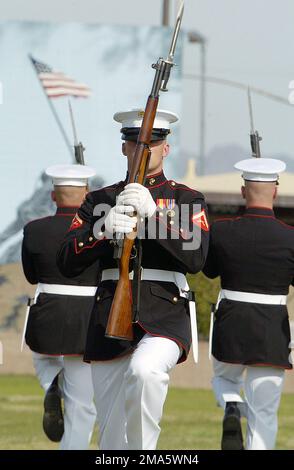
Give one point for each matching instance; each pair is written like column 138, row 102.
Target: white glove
column 119, row 222
column 139, row 197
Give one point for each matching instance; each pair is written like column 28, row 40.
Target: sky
column 248, row 41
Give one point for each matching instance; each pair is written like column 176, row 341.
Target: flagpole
column 59, row 123
column 54, row 112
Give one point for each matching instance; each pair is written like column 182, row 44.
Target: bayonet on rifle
column 255, row 138
column 164, row 67
column 79, row 148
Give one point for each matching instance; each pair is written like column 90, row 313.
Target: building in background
column 223, row 196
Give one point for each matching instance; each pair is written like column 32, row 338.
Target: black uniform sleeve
column 187, row 235
column 29, row 269
column 211, row 268
column 80, row 248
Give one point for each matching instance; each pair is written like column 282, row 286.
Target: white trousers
column 262, row 392
column 130, row 393
column 76, row 385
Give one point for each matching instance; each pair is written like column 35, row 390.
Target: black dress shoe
column 232, row 438
column 53, row 424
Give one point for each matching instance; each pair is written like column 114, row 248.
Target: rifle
column 79, row 148
column 119, row 324
column 255, row 138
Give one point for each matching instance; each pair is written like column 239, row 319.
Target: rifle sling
column 137, row 280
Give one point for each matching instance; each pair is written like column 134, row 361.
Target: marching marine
column 58, row 319
column 131, row 378
column 254, row 257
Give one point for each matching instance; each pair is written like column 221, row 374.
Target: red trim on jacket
column 285, row 225
column 157, row 185
column 63, row 206
column 155, row 174
column 59, row 355
column 260, row 207
column 128, row 353
column 86, row 247
column 224, row 219
column 260, row 216
column 64, row 215
column 182, row 186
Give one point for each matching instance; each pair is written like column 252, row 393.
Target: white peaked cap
column 70, row 175
column 261, row 169
column 134, row 117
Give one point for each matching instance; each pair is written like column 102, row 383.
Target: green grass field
column 191, row 419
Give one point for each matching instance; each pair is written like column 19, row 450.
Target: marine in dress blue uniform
column 131, row 378
column 254, row 257
column 58, row 320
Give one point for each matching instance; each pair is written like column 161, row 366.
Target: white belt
column 254, row 298
column 250, row 297
column 148, row 275
column 63, row 289
column 165, row 276
column 60, row 289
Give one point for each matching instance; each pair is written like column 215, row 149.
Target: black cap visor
column 131, row 134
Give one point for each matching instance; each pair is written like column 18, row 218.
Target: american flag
column 56, row 84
